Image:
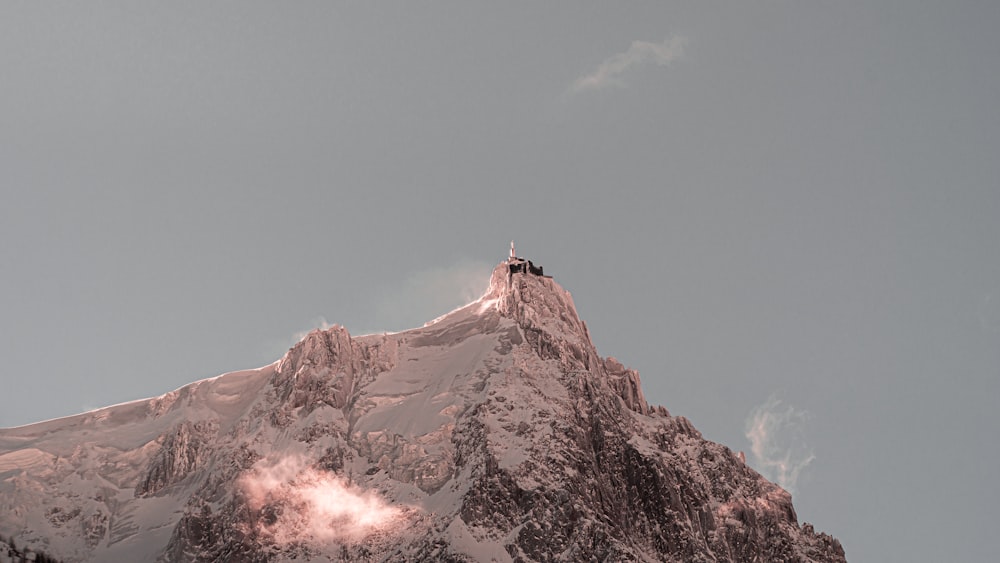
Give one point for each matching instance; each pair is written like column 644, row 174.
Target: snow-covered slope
column 495, row 432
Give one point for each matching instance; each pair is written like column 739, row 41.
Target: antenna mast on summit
column 512, row 255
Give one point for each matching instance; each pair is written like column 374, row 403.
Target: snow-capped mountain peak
column 495, row 432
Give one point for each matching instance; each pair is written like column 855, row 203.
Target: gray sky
column 786, row 215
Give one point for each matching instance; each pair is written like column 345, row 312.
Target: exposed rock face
column 183, row 450
column 493, row 433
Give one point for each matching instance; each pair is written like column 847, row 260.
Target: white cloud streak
column 317, row 323
column 426, row 294
column 638, row 54
column 420, row 297
column 314, row 506
column 776, row 442
column 989, row 313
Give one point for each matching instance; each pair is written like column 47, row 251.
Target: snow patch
column 24, row 459
column 461, row 540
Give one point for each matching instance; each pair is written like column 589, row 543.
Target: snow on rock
column 183, row 450
column 493, row 433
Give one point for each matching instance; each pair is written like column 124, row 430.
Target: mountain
column 494, row 432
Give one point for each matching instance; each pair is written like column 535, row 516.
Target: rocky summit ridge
column 494, row 433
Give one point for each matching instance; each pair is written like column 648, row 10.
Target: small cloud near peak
column 640, row 53
column 775, row 432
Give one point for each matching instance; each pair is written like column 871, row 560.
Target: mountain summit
column 493, row 433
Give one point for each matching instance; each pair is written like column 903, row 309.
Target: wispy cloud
column 319, row 322
column 426, row 294
column 989, row 313
column 775, row 431
column 421, row 296
column 314, row 506
column 640, row 53
column 275, row 347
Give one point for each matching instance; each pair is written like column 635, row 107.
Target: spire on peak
column 515, row 264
